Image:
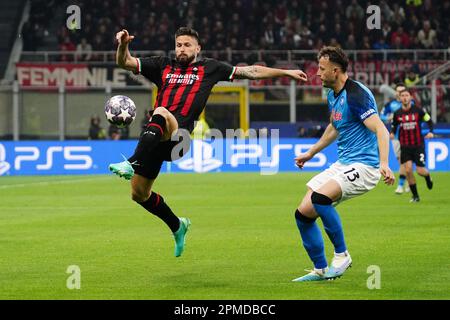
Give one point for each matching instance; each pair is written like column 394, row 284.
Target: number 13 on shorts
column 352, row 174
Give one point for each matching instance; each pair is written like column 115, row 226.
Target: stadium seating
column 233, row 24
column 10, row 13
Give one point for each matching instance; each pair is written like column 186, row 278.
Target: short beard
column 327, row 85
column 185, row 60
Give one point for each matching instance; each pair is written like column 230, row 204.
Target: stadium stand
column 9, row 17
column 232, row 24
column 283, row 34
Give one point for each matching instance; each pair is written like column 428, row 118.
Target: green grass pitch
column 243, row 243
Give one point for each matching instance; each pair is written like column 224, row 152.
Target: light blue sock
column 312, row 240
column 401, row 180
column 331, row 221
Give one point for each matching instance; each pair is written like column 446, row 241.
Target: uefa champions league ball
column 120, row 111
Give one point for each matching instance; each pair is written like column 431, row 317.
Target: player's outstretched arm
column 374, row 124
column 329, row 135
column 123, row 56
column 261, row 72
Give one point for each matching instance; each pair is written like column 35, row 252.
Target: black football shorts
column 414, row 154
column 164, row 151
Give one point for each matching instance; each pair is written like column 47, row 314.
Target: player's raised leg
column 160, row 127
column 141, row 192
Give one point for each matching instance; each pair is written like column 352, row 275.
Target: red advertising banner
column 372, row 73
column 76, row 75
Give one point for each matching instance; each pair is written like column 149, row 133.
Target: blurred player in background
column 363, row 153
column 184, row 85
column 409, row 120
column 386, row 115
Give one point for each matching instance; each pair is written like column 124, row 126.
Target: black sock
column 149, row 138
column 402, row 176
column 413, row 188
column 156, row 205
column 429, row 182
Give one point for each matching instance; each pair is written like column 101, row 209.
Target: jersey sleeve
column 386, row 112
column 361, row 103
column 223, row 71
column 151, row 67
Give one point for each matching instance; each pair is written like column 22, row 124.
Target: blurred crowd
column 242, row 24
column 97, row 132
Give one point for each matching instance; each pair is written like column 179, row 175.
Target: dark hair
column 405, row 90
column 399, row 84
column 186, row 31
column 335, row 55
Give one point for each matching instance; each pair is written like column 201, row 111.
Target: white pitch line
column 46, row 183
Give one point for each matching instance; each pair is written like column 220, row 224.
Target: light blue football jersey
column 349, row 108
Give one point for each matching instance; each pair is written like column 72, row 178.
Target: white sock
column 321, row 271
column 342, row 254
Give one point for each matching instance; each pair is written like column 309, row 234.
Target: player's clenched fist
column 388, row 175
column 123, row 37
column 302, row 158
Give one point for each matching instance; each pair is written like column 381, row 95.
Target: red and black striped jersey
column 184, row 90
column 410, row 121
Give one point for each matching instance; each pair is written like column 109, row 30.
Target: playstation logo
column 202, row 158
column 4, row 166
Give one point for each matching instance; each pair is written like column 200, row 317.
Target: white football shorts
column 355, row 179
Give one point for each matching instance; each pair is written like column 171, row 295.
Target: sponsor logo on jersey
column 337, row 116
column 367, row 114
column 187, row 78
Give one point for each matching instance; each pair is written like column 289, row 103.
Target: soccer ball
column 120, row 111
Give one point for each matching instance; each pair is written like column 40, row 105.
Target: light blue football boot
column 313, row 275
column 180, row 236
column 123, row 169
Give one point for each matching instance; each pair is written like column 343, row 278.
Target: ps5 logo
column 202, row 158
column 437, row 152
column 207, row 157
column 4, row 166
column 32, row 154
column 270, row 164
